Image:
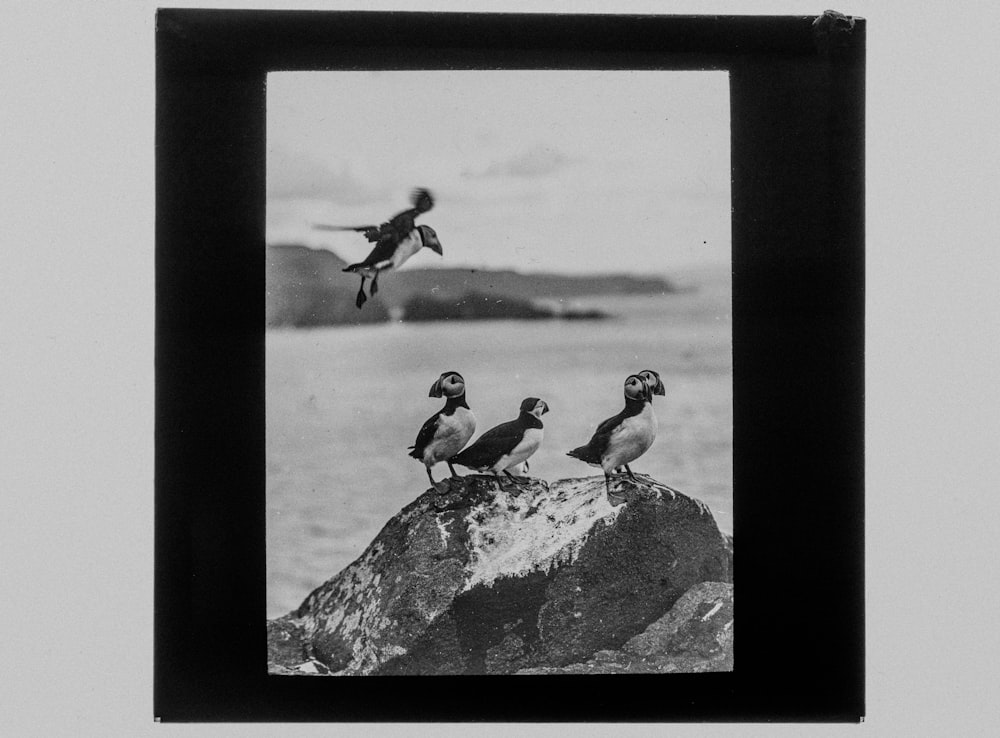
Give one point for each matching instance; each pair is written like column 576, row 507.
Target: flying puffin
column 448, row 430
column 624, row 437
column 395, row 241
column 504, row 447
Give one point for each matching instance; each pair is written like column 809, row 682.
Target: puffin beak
column 545, row 408
column 436, row 388
column 436, row 246
column 659, row 389
column 647, row 391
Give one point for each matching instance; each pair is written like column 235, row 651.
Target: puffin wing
column 422, row 200
column 382, row 252
column 372, row 233
column 598, row 443
column 425, row 436
column 388, row 235
column 609, row 426
column 490, row 446
column 402, row 223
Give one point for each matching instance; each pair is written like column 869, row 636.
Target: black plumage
column 656, row 386
column 426, row 433
column 397, row 226
column 447, row 430
column 507, row 444
column 623, row 437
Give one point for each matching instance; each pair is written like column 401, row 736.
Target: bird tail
column 463, row 459
column 353, row 267
column 583, row 453
column 414, row 453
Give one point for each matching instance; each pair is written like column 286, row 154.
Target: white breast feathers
column 521, row 452
column 631, row 439
column 452, row 433
column 406, row 248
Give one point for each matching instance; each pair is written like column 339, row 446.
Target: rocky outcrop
column 696, row 635
column 288, row 651
column 477, row 578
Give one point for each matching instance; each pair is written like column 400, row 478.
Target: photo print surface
column 499, row 404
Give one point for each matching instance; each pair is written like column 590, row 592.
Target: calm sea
column 343, row 404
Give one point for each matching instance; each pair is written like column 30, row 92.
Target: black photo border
column 797, row 112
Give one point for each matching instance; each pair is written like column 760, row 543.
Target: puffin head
column 449, row 384
column 637, row 388
column 534, row 406
column 653, row 380
column 431, row 239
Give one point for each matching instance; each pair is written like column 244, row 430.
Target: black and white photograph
column 498, row 370
column 450, row 344
column 478, row 338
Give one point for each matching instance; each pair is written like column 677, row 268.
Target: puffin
column 445, row 433
column 624, row 437
column 654, row 381
column 395, row 241
column 656, row 384
column 507, row 445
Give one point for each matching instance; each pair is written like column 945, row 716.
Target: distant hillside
column 454, row 282
column 480, row 306
column 307, row 287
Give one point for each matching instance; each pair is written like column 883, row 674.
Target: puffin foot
column 361, row 299
column 615, row 497
column 520, row 483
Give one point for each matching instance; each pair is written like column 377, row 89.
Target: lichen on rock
column 510, row 537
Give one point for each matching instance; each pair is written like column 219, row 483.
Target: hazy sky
column 578, row 171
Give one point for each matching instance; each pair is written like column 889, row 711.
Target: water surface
column 343, row 404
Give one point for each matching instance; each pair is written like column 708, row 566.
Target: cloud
column 293, row 175
column 539, row 161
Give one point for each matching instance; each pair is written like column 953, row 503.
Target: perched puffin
column 395, row 241
column 448, row 430
column 504, row 447
column 656, row 384
column 624, row 437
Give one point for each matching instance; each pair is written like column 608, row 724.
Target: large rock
column 471, row 579
column 696, row 635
